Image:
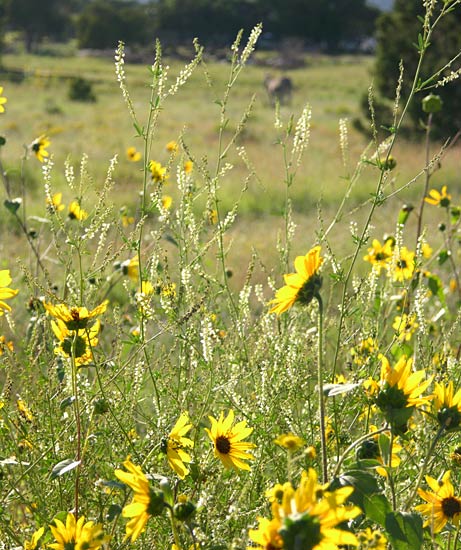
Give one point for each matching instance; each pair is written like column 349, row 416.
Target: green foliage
column 81, row 89
column 397, row 39
column 102, row 23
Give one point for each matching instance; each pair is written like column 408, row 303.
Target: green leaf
column 376, row 508
column 443, row 256
column 67, row 402
column 405, row 530
column 384, row 447
column 364, row 483
column 436, row 287
column 13, row 205
column 113, row 512
column 63, row 467
column 2, row 141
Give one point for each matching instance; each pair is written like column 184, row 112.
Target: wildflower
column 380, row 255
column 77, row 535
column 438, row 198
column 370, row 386
column 266, row 536
column 76, row 212
column 24, row 410
column 188, row 166
column 426, row 250
column 3, row 100
column 39, row 146
column 443, row 506
column 127, row 220
column 167, row 201
column 447, row 406
column 301, row 286
column 5, row 292
column 401, row 391
column 168, row 290
column 310, row 452
column 147, row 502
column 77, row 343
column 290, row 441
column 131, row 268
column 228, row 442
column 404, row 265
column 133, row 155
column 172, row 146
column 405, row 326
column 158, row 172
column 32, row 544
column 370, row 449
column 4, row 345
column 363, row 351
column 75, row 317
column 174, row 444
column 456, row 456
column 55, row 204
column 307, row 518
column 371, row 540
column 276, row 492
column 213, row 217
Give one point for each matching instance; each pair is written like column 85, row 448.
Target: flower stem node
column 301, row 531
column 432, row 103
column 183, row 511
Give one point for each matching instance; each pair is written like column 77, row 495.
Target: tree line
column 101, row 23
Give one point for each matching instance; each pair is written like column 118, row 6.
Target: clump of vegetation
column 146, row 402
column 81, row 89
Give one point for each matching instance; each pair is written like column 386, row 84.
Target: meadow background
column 187, row 327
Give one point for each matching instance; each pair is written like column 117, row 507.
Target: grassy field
column 160, row 383
column 332, row 86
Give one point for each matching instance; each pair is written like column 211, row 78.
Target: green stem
column 174, row 530
column 77, row 421
column 426, row 180
column 423, row 467
column 355, row 444
column 390, row 474
column 323, row 440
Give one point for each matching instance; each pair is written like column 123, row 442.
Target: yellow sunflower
column 55, row 203
column 405, row 326
column 372, row 540
column 133, row 155
column 3, row 100
column 443, row 506
column 131, row 268
column 301, row 286
column 404, row 265
column 439, row 198
column 76, row 212
column 362, row 352
column 39, row 146
column 266, row 536
column 447, row 406
column 308, row 517
column 74, row 318
column 77, row 535
column 290, row 441
column 175, row 443
column 228, row 442
column 166, row 202
column 157, row 171
column 33, row 543
column 188, row 166
column 79, row 342
column 5, row 292
column 401, row 391
column 147, row 502
column 172, row 146
column 380, row 255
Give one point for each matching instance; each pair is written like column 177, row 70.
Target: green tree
column 37, row 19
column 103, row 23
column 397, row 34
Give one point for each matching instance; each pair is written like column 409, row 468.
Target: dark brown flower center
column 451, row 506
column 223, row 444
column 402, row 264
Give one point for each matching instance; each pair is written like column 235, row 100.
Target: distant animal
column 278, row 88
